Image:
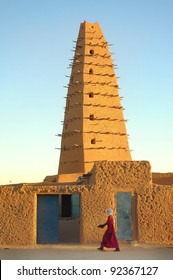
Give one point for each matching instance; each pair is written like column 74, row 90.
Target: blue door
column 124, row 215
column 47, row 219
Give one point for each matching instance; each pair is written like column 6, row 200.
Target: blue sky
column 36, row 42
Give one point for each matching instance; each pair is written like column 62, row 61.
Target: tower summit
column 94, row 127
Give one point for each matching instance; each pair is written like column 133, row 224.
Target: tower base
column 73, row 177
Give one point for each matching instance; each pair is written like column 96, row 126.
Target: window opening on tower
column 91, row 71
column 91, row 95
column 93, row 141
column 91, row 117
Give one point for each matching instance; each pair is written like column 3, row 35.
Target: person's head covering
column 109, row 211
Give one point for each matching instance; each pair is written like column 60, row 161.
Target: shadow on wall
column 162, row 178
column 69, row 230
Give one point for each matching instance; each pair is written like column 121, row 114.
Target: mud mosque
column 96, row 170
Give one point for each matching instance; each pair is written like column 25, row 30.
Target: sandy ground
column 87, row 252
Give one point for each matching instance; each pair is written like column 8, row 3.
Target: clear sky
column 36, row 39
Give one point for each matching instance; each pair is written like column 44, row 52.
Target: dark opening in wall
column 91, row 117
column 93, row 141
column 66, row 205
column 70, row 205
column 91, row 52
column 91, row 94
column 91, row 71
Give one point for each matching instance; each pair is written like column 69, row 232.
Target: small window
column 91, row 117
column 93, row 141
column 91, row 52
column 91, row 95
column 66, row 125
column 70, row 205
column 91, row 71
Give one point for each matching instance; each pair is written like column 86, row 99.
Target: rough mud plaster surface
column 16, row 216
column 157, row 178
column 156, row 215
column 154, row 204
column 18, row 210
column 111, row 177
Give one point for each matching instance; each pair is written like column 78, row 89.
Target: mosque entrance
column 47, row 219
column 124, row 215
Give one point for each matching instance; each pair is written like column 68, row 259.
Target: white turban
column 109, row 211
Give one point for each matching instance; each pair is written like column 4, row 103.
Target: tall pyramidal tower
column 94, row 126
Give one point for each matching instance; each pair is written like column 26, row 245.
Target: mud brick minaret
column 94, row 127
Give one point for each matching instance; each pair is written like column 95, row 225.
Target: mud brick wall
column 152, row 213
column 109, row 178
column 94, row 128
column 153, row 210
column 18, row 211
column 156, row 215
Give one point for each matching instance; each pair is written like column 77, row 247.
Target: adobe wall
column 17, row 215
column 156, row 215
column 153, row 216
column 112, row 177
column 18, row 210
column 152, row 210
